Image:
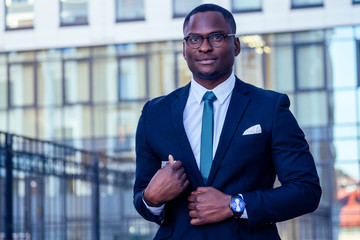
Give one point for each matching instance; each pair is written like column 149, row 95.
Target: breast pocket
column 252, row 139
column 251, row 146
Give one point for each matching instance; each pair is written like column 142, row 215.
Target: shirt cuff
column 244, row 215
column 155, row 210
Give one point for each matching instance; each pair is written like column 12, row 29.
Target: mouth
column 206, row 61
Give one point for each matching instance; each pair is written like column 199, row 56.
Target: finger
column 198, row 191
column 183, row 177
column 202, row 189
column 195, row 221
column 180, row 172
column 191, row 198
column 177, row 165
column 186, row 184
column 171, row 159
column 191, row 206
column 193, row 214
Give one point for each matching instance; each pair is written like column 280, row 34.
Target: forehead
column 206, row 23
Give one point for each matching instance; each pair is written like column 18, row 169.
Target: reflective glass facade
column 91, row 98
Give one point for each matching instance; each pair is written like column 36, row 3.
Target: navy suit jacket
column 246, row 164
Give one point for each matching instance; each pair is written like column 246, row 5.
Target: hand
column 168, row 183
column 208, row 205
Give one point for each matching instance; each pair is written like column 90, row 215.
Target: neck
column 211, row 83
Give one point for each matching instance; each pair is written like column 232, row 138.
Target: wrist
column 150, row 202
column 228, row 211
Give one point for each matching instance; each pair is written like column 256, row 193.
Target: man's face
column 209, row 63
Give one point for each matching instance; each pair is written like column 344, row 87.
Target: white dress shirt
column 192, row 116
column 192, row 119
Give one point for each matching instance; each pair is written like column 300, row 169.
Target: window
column 104, row 74
column 358, row 62
column 341, row 75
column 312, row 109
column 251, row 64
column 129, row 10
column 3, row 124
column 49, row 81
column 132, row 78
column 49, row 119
column 22, row 82
column 3, row 82
column 246, row 5
column 280, row 69
column 183, row 73
column 306, row 3
column 182, row 7
column 77, row 87
column 23, row 121
column 77, row 122
column 19, row 14
column 73, row 12
column 344, row 109
column 309, row 66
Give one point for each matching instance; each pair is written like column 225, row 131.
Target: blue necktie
column 207, row 129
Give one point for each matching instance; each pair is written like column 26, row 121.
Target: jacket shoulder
column 257, row 92
column 164, row 101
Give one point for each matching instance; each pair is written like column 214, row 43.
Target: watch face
column 237, row 204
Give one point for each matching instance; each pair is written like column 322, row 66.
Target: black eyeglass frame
column 208, row 38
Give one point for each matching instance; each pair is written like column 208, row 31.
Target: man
column 253, row 138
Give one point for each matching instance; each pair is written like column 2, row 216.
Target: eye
column 194, row 39
column 216, row 37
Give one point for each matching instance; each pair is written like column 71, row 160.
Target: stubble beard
column 211, row 76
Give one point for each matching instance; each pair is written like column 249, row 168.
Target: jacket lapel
column 238, row 103
column 177, row 110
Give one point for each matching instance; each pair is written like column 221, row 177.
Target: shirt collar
column 222, row 91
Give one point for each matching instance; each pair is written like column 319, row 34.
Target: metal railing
column 56, row 192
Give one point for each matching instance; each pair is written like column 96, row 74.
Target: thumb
column 171, row 159
column 200, row 190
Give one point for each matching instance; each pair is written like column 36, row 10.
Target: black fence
column 50, row 191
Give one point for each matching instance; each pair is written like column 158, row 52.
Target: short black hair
column 229, row 18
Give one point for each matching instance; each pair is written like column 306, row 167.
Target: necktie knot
column 209, row 96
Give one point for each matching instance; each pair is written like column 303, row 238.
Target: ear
column 184, row 50
column 237, row 46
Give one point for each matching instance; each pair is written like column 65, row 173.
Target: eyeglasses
column 215, row 39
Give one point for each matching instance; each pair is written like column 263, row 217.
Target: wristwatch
column 237, row 205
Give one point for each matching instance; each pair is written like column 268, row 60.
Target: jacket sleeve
column 147, row 164
column 300, row 190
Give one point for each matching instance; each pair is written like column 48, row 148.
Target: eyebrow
column 214, row 32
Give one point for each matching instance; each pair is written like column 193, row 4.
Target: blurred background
column 74, row 75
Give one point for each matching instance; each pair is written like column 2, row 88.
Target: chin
column 211, row 76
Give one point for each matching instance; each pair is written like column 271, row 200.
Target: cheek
column 228, row 56
column 188, row 56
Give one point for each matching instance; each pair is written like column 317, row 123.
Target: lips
column 206, row 61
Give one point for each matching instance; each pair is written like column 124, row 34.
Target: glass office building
column 91, row 96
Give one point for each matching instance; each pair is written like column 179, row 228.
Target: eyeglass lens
column 216, row 40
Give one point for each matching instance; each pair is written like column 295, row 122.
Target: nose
column 205, row 46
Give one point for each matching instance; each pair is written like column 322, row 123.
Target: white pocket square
column 256, row 129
